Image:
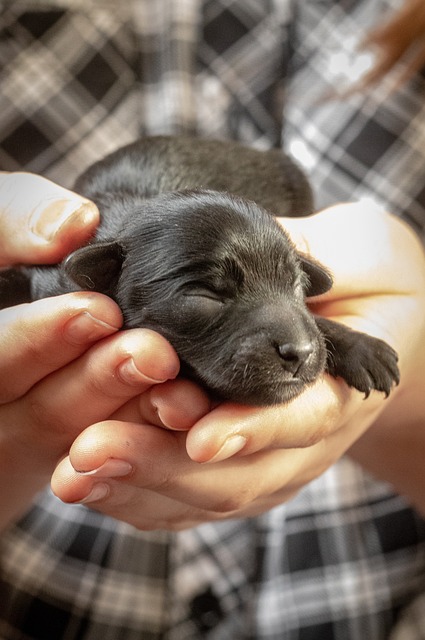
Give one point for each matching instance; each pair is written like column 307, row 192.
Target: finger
column 146, row 459
column 39, row 338
column 144, row 509
column 89, row 389
column 233, row 430
column 177, row 404
column 125, row 460
column 41, row 222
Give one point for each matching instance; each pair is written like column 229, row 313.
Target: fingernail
column 166, row 423
column 47, row 221
column 232, row 445
column 84, row 328
column 130, row 374
column 99, row 491
column 111, row 468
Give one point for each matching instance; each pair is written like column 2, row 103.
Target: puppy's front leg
column 15, row 287
column 19, row 285
column 365, row 363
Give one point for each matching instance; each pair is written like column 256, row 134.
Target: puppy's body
column 166, row 164
column 185, row 247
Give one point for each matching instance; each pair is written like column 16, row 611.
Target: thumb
column 41, row 222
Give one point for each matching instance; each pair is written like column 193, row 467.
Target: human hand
column 41, row 222
column 260, row 457
column 63, row 364
column 401, row 38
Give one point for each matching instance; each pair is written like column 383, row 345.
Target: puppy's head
column 220, row 279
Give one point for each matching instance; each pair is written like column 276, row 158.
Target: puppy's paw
column 369, row 364
column 365, row 363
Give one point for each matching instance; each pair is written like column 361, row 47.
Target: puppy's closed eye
column 223, row 283
column 211, row 300
column 202, row 304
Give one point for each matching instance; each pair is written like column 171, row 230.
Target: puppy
column 188, row 246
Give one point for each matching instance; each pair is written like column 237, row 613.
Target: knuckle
column 102, row 382
column 42, row 358
column 25, row 339
column 96, row 384
column 43, row 416
column 40, row 413
column 158, row 479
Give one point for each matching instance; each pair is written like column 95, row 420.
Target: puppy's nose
column 295, row 355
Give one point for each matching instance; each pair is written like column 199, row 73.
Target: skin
column 82, row 404
column 401, row 37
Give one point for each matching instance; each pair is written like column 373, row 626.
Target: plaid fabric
column 369, row 146
column 79, row 79
column 345, row 559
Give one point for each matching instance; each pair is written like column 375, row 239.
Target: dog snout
column 295, row 355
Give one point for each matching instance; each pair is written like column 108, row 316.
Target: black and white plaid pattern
column 79, row 78
column 368, row 146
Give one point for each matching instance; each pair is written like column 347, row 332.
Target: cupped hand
column 237, row 461
column 64, row 365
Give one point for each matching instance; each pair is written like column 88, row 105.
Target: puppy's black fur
column 188, row 246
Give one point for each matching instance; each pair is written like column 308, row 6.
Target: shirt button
column 206, row 611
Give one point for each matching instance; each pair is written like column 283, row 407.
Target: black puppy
column 187, row 247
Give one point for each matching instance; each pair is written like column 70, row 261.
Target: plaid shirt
column 345, row 559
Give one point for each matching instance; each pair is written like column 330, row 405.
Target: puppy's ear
column 96, row 267
column 319, row 280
